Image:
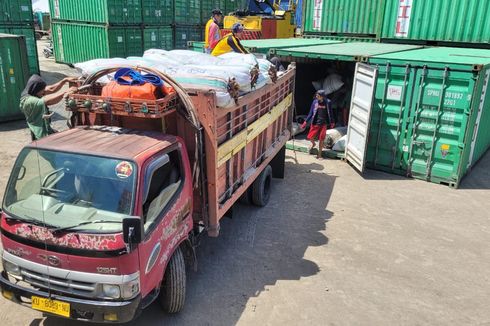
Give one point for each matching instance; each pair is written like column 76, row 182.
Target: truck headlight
column 130, row 289
column 111, row 291
column 11, row 268
column 126, row 290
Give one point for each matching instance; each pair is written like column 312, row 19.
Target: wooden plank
column 234, row 145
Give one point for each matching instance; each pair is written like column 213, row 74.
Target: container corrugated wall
column 430, row 114
column 27, row 31
column 15, row 11
column 81, row 42
column 184, row 34
column 97, row 11
column 158, row 37
column 158, row 12
column 208, row 5
column 437, row 20
column 14, row 73
column 234, row 5
column 351, row 17
column 187, row 12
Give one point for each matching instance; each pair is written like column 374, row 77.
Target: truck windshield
column 64, row 189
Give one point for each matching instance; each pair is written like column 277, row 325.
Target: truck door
column 363, row 90
column 166, row 206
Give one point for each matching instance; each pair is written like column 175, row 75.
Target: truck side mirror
column 132, row 230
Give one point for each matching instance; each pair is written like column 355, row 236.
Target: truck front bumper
column 80, row 309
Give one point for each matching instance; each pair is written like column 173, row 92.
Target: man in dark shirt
column 321, row 116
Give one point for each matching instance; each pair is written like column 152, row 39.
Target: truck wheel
column 172, row 295
column 261, row 188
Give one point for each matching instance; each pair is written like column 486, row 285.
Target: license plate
column 52, row 306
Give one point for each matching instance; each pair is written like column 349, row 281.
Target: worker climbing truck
column 100, row 220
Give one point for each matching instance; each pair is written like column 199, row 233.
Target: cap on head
column 237, row 28
column 216, row 12
column 321, row 92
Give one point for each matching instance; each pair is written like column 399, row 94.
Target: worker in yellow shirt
column 230, row 42
column 212, row 33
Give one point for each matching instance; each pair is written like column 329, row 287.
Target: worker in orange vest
column 212, row 33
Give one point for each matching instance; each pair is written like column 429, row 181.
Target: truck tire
column 172, row 295
column 261, row 188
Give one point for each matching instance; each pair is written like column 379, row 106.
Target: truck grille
column 58, row 284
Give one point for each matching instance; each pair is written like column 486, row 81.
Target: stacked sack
column 229, row 76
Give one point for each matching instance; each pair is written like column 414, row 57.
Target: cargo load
column 230, row 75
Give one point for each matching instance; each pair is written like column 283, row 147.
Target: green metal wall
column 81, row 42
column 156, row 37
column 187, row 12
column 184, row 34
column 438, row 20
column 97, row 11
column 430, row 113
column 15, row 11
column 14, row 73
column 389, row 119
column 158, row 12
column 208, row 5
column 28, row 32
column 352, row 17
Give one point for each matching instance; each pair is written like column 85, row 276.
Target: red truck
column 102, row 219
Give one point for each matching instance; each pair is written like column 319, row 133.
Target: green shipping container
column 14, row 73
column 81, row 42
column 234, row 5
column 158, row 12
column 197, row 46
column 16, row 11
column 30, row 38
column 334, row 50
column 187, row 12
column 158, row 38
column 184, row 34
column 121, row 12
column 437, row 20
column 343, row 17
column 431, row 109
column 263, row 46
column 208, row 5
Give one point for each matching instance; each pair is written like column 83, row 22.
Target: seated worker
column 230, row 42
column 34, row 102
column 212, row 33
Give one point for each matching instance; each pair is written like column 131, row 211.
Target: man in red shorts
column 321, row 116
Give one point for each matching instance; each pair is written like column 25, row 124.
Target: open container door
column 363, row 90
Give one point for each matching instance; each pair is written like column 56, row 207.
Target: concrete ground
column 331, row 248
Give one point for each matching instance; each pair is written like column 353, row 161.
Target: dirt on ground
column 331, row 248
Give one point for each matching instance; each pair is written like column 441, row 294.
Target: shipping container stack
column 430, row 22
column 91, row 29
column 16, row 18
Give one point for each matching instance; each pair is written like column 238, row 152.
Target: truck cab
column 91, row 218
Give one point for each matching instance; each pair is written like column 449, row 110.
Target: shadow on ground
column 479, row 176
column 258, row 248
column 476, row 178
column 13, row 125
